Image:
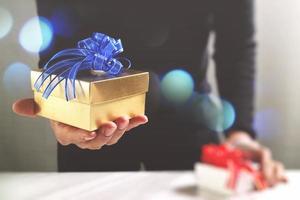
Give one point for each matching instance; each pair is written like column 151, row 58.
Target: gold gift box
column 99, row 98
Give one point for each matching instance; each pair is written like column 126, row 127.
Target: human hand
column 108, row 134
column 272, row 170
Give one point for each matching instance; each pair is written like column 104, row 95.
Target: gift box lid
column 92, row 88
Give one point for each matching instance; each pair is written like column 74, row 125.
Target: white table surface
column 123, row 185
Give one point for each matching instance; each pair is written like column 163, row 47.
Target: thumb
column 25, row 107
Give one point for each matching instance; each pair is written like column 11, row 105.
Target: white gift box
column 214, row 180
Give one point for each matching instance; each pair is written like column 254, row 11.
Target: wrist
column 241, row 138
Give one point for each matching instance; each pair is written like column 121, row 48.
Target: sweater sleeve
column 235, row 59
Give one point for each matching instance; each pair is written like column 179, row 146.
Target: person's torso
column 157, row 36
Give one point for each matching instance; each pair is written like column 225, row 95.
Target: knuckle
column 63, row 142
column 81, row 146
column 112, row 142
column 95, row 147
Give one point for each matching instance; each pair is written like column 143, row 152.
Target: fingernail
column 146, row 118
column 144, row 122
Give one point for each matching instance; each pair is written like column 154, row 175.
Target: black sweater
column 162, row 35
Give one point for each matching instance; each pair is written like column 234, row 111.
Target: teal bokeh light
column 177, row 86
column 6, row 22
column 36, row 35
column 206, row 111
column 228, row 115
column 213, row 113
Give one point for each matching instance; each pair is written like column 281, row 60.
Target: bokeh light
column 36, row 34
column 267, row 122
column 177, row 86
column 6, row 22
column 16, row 80
column 228, row 115
column 214, row 114
column 206, row 111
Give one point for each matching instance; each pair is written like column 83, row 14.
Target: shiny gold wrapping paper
column 99, row 98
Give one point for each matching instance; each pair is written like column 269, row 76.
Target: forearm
column 235, row 60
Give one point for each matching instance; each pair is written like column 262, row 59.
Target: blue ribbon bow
column 95, row 53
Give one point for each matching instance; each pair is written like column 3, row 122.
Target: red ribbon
column 234, row 160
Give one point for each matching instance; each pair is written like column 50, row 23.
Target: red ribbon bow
column 233, row 159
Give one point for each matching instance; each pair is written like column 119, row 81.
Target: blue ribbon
column 98, row 52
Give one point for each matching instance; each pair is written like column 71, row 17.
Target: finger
column 122, row 123
column 267, row 165
column 272, row 180
column 104, row 134
column 66, row 134
column 279, row 172
column 25, row 107
column 136, row 121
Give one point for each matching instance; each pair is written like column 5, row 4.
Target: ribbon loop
column 95, row 53
column 89, row 44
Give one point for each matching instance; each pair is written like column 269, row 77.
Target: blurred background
column 29, row 145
